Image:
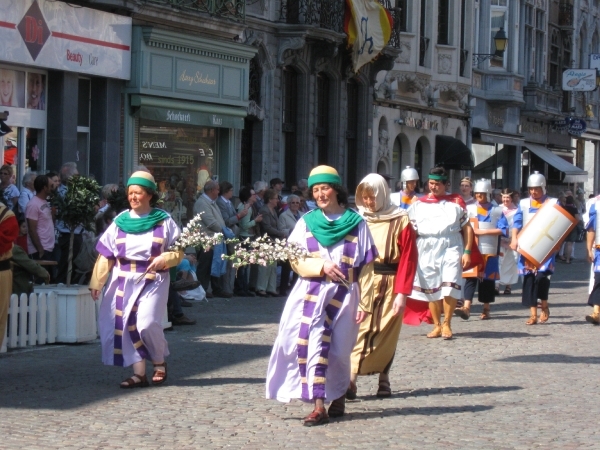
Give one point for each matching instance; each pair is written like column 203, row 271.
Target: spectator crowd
column 258, row 210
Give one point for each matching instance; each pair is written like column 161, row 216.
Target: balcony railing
column 329, row 14
column 565, row 15
column 224, row 9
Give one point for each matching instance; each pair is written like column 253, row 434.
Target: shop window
column 181, row 160
column 36, row 91
column 12, row 88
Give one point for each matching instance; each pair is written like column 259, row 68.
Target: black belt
column 385, row 269
column 4, row 265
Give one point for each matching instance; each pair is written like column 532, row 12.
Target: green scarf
column 328, row 232
column 137, row 225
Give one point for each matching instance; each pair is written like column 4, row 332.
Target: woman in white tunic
column 440, row 223
column 311, row 355
column 131, row 313
column 509, row 272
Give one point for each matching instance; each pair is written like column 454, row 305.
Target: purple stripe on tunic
column 321, row 368
column 312, row 244
column 135, row 334
column 140, row 266
column 118, row 341
column 104, row 251
column 121, row 248
column 308, row 311
column 370, row 256
column 158, row 232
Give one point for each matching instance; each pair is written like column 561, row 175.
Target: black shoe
column 220, row 294
column 182, row 320
column 249, row 294
column 185, row 303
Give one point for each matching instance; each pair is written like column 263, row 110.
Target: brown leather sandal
column 545, row 315
column 384, row 390
column 317, row 417
column 337, row 407
column 135, row 381
column 485, row 314
column 160, row 372
column 532, row 320
column 436, row 332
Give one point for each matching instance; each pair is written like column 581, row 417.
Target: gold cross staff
column 545, row 232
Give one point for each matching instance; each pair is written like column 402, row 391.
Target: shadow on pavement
column 408, row 411
column 451, row 390
column 199, row 382
column 553, row 358
column 499, row 334
column 60, row 386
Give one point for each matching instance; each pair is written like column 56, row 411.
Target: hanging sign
column 577, row 127
column 579, row 80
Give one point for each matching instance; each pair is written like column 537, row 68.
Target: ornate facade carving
column 383, row 149
column 287, row 45
column 404, row 57
column 322, row 56
column 444, row 63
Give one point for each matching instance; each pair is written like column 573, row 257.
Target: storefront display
column 182, row 160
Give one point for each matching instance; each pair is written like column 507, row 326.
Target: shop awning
column 181, row 113
column 573, row 174
column 488, row 137
column 452, row 153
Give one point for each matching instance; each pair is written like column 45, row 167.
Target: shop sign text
column 421, row 124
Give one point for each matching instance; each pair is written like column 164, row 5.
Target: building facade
column 61, row 72
column 421, row 111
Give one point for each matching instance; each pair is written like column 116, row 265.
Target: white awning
column 573, row 174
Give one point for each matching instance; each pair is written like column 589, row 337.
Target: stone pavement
column 498, row 385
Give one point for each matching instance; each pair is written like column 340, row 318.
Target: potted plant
column 76, row 310
column 77, row 208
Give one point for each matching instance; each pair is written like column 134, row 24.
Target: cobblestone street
column 499, row 385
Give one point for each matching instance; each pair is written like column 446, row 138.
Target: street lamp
column 500, row 40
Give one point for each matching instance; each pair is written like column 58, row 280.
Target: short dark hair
column 245, row 194
column 40, row 182
column 342, row 193
column 438, row 170
column 225, row 187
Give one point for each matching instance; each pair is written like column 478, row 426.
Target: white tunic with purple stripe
column 130, row 320
column 318, row 329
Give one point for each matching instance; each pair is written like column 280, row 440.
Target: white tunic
column 440, row 246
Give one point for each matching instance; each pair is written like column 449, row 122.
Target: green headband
column 438, row 177
column 324, row 178
column 141, row 182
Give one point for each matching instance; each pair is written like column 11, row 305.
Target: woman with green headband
column 444, row 240
column 311, row 356
column 133, row 252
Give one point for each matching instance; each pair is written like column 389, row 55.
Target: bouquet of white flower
column 193, row 236
column 264, row 251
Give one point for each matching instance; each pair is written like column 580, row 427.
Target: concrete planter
column 76, row 313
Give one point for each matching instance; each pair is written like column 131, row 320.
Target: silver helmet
column 483, row 186
column 409, row 174
column 536, row 179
